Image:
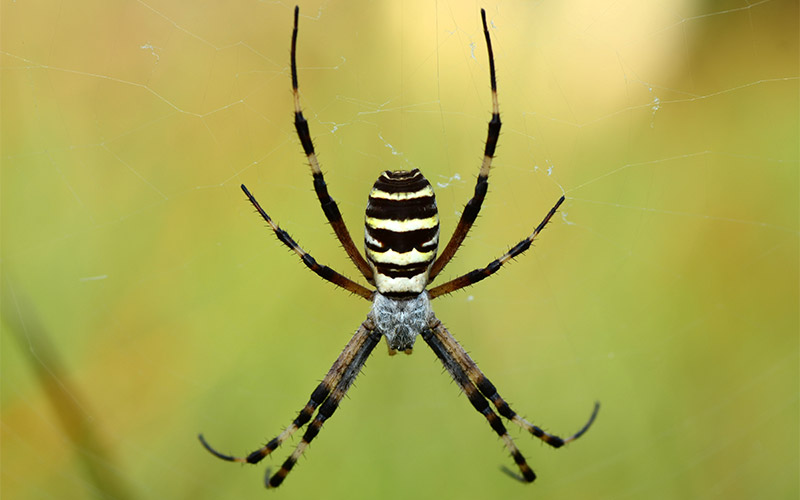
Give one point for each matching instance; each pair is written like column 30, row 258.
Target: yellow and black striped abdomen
column 402, row 232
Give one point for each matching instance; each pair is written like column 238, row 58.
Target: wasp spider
column 401, row 242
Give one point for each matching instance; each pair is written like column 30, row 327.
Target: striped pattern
column 401, row 232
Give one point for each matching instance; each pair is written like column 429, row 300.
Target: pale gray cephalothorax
column 400, row 320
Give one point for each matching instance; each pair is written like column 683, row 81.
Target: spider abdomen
column 402, row 232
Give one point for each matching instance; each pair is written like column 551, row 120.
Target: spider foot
column 587, row 425
column 513, row 475
column 267, row 474
column 228, row 458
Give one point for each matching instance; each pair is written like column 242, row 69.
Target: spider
column 401, row 243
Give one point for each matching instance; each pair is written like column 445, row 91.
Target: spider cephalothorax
column 401, row 320
column 401, row 243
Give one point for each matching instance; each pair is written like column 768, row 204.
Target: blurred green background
column 144, row 301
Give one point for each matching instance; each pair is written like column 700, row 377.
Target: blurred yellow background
column 143, row 301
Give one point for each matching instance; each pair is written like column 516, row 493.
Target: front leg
column 351, row 356
column 456, row 371
column 457, row 353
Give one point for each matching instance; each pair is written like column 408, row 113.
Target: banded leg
column 329, row 206
column 322, row 271
column 488, row 390
column 477, row 400
column 477, row 275
column 473, row 206
column 339, row 369
column 328, row 407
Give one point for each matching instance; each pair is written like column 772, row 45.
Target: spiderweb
column 143, row 301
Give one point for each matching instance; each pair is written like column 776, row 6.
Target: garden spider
column 401, row 242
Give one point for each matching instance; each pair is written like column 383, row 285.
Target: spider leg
column 473, row 206
column 488, row 390
column 368, row 342
column 433, row 338
column 329, row 206
column 351, row 352
column 477, row 275
column 322, row 271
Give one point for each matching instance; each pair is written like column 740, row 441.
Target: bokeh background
column 143, row 301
